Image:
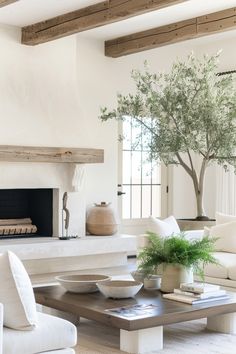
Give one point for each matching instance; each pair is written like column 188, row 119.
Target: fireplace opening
column 26, row 213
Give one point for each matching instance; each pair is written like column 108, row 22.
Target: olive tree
column 189, row 111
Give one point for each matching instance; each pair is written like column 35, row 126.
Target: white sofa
column 224, row 273
column 51, row 336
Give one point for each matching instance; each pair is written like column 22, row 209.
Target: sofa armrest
column 1, row 326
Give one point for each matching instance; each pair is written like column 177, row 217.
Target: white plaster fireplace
column 58, row 177
column 48, row 254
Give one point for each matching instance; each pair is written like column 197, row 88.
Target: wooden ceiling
column 111, row 11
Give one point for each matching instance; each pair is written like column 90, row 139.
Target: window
column 141, row 178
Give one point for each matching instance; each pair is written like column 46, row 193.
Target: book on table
column 192, row 300
column 205, row 295
column 199, row 287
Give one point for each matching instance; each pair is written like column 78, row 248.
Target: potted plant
column 187, row 113
column 179, row 256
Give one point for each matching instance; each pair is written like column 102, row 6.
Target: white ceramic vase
column 173, row 276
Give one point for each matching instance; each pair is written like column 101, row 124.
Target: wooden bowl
column 119, row 289
column 84, row 283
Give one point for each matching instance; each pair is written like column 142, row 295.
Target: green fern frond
column 177, row 249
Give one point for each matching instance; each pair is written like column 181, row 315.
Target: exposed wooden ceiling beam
column 196, row 27
column 93, row 16
column 6, row 2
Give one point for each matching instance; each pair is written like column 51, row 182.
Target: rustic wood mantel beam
column 7, row 2
column 13, row 153
column 93, row 16
column 176, row 32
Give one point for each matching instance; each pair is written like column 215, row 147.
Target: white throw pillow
column 226, row 234
column 206, row 232
column 224, row 218
column 16, row 294
column 164, row 227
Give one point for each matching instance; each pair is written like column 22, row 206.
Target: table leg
column 141, row 341
column 223, row 323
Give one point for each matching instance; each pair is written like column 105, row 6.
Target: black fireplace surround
column 36, row 204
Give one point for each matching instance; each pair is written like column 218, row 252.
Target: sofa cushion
column 226, row 234
column 164, row 227
column 51, row 333
column 16, row 294
column 226, row 262
column 224, row 218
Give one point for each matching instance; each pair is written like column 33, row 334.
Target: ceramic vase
column 173, row 276
column 101, row 220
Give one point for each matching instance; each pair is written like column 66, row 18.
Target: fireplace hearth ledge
column 50, row 247
column 48, row 254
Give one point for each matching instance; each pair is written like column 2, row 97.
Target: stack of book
column 197, row 293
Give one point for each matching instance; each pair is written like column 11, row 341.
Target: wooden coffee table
column 140, row 334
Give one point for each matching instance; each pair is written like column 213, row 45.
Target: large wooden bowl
column 84, row 283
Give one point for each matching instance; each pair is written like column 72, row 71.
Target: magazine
column 137, row 310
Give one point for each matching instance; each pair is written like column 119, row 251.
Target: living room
column 61, row 62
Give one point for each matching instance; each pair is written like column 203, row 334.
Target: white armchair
column 24, row 330
column 51, row 336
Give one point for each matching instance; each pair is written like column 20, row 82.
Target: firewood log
column 18, row 229
column 23, row 221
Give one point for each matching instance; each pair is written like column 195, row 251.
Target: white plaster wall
column 97, row 87
column 50, row 96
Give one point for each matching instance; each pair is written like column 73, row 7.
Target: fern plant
column 177, row 250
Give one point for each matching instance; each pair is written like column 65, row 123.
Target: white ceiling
column 26, row 12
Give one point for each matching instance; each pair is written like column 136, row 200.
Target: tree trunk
column 198, row 183
column 199, row 191
column 201, row 215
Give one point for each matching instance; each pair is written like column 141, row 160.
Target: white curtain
column 226, row 190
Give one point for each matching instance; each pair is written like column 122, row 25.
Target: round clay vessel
column 173, row 276
column 101, row 220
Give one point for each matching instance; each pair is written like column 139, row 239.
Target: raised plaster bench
column 44, row 255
